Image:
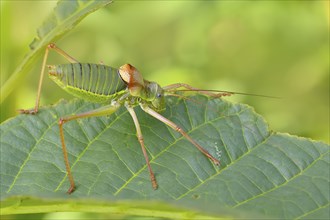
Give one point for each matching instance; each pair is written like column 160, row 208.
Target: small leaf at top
column 66, row 15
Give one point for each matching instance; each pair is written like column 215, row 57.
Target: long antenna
column 224, row 91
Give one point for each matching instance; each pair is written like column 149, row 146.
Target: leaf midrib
column 135, row 174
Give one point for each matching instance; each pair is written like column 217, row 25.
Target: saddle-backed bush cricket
column 114, row 88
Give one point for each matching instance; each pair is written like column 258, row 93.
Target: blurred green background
column 278, row 48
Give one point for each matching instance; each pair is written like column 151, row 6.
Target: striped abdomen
column 94, row 82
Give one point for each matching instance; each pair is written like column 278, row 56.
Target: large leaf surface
column 276, row 175
column 66, row 15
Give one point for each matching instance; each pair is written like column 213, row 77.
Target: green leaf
column 262, row 173
column 66, row 15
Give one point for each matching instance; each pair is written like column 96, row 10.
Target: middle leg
column 140, row 138
column 180, row 130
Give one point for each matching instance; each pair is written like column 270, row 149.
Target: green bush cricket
column 114, row 88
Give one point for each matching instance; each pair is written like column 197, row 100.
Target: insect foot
column 28, row 111
column 215, row 161
column 153, row 181
column 71, row 190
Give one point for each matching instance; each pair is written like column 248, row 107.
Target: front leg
column 180, row 130
column 214, row 94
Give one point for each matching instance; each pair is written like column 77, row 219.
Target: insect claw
column 216, row 162
column 28, row 111
column 71, row 190
column 153, row 182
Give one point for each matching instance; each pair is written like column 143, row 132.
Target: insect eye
column 159, row 95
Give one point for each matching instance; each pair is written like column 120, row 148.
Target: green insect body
column 115, row 88
column 92, row 82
